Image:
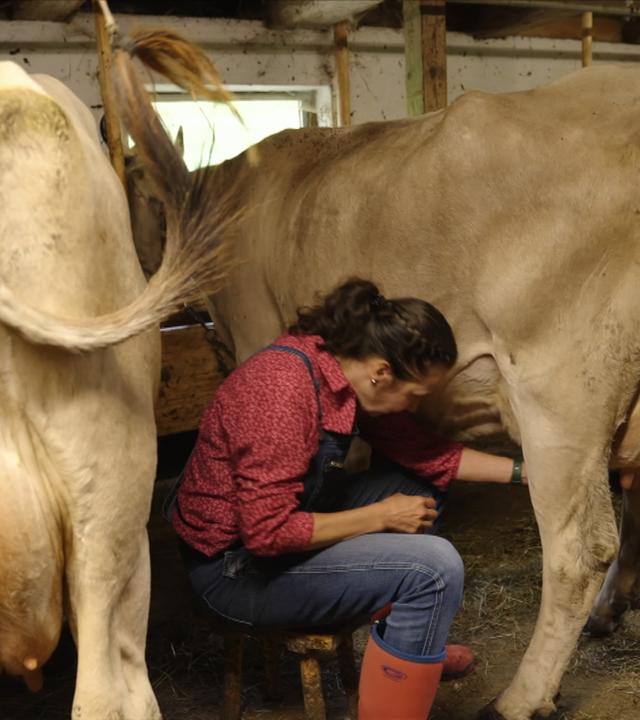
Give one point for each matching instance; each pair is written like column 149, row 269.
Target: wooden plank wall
column 188, row 380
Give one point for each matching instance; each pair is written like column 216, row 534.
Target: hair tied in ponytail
column 379, row 302
column 356, row 321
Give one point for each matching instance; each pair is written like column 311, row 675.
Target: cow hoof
column 600, row 627
column 490, row 713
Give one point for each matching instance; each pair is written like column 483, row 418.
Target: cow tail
column 196, row 259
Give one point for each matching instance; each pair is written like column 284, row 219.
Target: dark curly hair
column 356, row 321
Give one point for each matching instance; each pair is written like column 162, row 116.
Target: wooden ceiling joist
column 608, row 7
column 49, row 10
column 315, row 13
column 540, row 23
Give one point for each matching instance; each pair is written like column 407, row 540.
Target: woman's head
column 385, row 345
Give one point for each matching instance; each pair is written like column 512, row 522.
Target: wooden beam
column 502, row 22
column 111, row 117
column 434, row 54
column 413, row 57
column 189, row 377
column 587, row 38
column 48, row 10
column 621, row 8
column 315, row 13
column 341, row 37
column 425, row 55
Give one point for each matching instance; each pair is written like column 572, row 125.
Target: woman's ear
column 382, row 372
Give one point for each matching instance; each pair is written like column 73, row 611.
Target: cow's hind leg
column 107, row 574
column 618, row 591
column 130, row 628
column 109, row 607
column 569, row 489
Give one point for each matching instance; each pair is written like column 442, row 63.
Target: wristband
column 516, row 473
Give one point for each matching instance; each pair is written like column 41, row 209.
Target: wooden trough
column 189, row 377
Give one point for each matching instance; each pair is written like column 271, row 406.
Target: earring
column 374, row 381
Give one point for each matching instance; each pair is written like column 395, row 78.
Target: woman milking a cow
column 276, row 534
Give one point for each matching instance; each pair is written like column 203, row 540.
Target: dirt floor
column 494, row 530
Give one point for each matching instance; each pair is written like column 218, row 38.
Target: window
column 263, row 113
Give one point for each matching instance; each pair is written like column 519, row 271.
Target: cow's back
column 448, row 194
column 499, row 202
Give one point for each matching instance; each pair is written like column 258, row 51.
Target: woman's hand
column 397, row 513
column 408, row 513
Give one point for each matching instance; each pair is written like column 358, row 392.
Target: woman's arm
column 397, row 513
column 400, row 438
column 478, row 466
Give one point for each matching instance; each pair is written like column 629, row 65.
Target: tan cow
column 77, row 431
column 518, row 216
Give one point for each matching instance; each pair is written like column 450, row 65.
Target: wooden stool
column 308, row 647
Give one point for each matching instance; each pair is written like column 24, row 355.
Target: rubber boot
column 396, row 686
column 459, row 661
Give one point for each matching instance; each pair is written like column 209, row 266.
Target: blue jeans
column 420, row 575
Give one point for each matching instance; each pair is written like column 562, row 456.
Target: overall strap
column 305, row 359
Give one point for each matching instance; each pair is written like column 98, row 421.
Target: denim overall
column 322, row 486
column 326, row 474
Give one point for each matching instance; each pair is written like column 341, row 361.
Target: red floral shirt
column 257, row 438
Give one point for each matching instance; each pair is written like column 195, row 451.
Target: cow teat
column 32, row 675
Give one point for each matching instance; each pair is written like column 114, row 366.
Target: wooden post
column 425, row 34
column 314, row 706
column 587, row 38
column 434, row 55
column 349, row 675
column 112, row 121
column 412, row 19
column 341, row 38
column 270, row 651
column 232, row 689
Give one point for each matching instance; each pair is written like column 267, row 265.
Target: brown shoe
column 459, row 663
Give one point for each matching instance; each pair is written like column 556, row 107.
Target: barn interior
column 301, row 63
